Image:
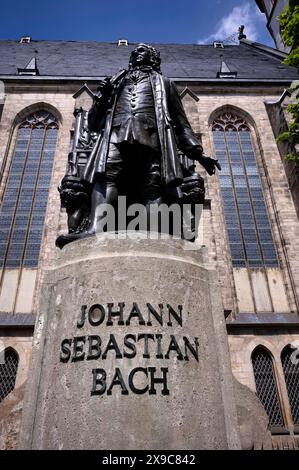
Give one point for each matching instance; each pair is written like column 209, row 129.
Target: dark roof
column 187, row 61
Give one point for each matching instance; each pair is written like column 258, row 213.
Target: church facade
column 233, row 96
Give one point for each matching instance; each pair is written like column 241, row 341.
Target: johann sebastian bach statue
column 138, row 143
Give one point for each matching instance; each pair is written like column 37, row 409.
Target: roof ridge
column 273, row 52
column 88, row 41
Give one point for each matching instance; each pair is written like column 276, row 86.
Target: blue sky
column 153, row 21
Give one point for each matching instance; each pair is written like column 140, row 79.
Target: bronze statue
column 133, row 139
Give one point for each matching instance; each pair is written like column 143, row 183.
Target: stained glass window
column 248, row 227
column 25, row 196
column 266, row 388
column 9, row 361
column 290, row 365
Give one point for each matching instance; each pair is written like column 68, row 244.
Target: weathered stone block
column 147, row 367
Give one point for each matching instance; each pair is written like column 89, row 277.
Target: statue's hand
column 209, row 164
column 104, row 88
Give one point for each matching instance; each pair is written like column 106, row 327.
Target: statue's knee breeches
column 114, row 164
column 152, row 183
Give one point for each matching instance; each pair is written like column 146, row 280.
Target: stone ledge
column 19, row 320
column 264, row 320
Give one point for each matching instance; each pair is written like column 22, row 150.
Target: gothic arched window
column 26, row 191
column 9, row 361
column 266, row 388
column 290, row 365
column 248, row 227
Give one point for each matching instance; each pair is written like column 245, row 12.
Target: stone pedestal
column 130, row 351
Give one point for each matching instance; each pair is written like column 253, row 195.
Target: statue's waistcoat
column 136, row 96
column 134, row 119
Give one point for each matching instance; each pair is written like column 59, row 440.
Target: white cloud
column 245, row 14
